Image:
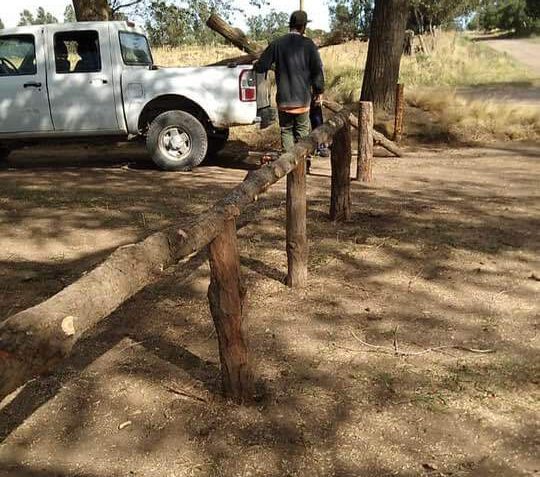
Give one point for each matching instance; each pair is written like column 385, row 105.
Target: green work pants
column 293, row 128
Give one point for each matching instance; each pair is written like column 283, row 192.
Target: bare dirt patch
column 442, row 249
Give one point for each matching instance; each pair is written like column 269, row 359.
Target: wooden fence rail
column 35, row 340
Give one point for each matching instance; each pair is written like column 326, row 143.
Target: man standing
column 299, row 78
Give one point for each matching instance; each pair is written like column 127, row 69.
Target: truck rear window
column 135, row 49
column 77, row 52
column 17, row 55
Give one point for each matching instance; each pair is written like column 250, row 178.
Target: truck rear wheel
column 4, row 152
column 177, row 141
column 217, row 140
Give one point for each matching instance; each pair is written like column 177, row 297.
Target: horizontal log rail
column 35, row 340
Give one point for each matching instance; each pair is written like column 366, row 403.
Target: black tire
column 186, row 155
column 4, row 152
column 217, row 141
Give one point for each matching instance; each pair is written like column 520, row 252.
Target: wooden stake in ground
column 226, row 296
column 400, row 105
column 297, row 246
column 364, row 167
column 340, row 198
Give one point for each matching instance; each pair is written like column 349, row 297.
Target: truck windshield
column 135, row 49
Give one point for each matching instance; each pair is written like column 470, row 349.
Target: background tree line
column 176, row 23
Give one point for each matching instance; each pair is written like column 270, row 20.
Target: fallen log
column 35, row 340
column 378, row 138
column 236, row 36
column 239, row 39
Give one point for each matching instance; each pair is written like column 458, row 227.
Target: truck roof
column 119, row 24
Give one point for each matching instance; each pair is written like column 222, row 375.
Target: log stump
column 226, row 295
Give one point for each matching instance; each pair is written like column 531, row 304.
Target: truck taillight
column 248, row 86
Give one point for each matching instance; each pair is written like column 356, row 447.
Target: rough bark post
column 297, row 247
column 385, row 48
column 423, row 47
column 91, row 10
column 340, row 196
column 409, row 43
column 378, row 138
column 364, row 166
column 400, row 106
column 226, row 296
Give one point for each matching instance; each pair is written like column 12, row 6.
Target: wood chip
column 124, row 425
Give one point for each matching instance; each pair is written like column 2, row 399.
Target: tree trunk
column 91, row 10
column 384, row 53
column 226, row 295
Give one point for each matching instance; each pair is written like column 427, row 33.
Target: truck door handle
column 99, row 80
column 32, row 84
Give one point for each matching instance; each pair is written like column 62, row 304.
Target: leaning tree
column 386, row 43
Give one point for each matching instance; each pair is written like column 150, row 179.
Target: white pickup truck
column 97, row 80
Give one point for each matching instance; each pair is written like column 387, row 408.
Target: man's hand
column 318, row 98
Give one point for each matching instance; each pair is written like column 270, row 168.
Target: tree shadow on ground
column 429, row 259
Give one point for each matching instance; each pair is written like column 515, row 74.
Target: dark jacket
column 298, row 67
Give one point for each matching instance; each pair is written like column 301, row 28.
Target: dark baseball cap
column 298, row 19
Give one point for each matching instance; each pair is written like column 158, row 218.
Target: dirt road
column 525, row 51
column 525, row 93
column 442, row 249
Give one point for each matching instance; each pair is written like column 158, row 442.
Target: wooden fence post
column 340, row 196
column 226, row 296
column 297, row 246
column 364, row 170
column 398, row 122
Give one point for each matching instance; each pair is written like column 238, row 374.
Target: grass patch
column 480, row 120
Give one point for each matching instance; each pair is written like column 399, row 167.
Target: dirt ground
column 442, row 250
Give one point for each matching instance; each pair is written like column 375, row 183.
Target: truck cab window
column 135, row 49
column 17, row 55
column 77, row 52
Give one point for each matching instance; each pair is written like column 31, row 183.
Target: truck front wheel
column 177, row 141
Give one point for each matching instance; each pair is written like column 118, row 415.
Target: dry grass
column 430, row 82
column 195, row 55
column 477, row 120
